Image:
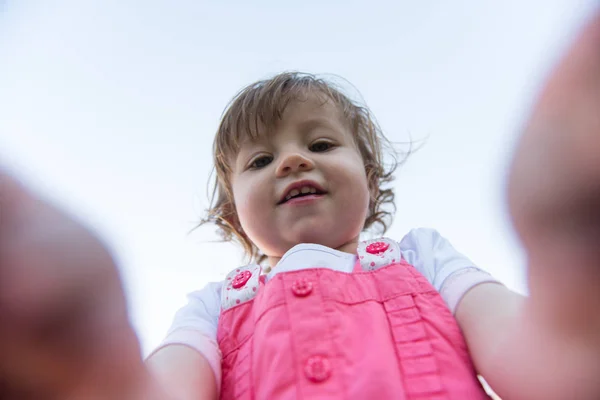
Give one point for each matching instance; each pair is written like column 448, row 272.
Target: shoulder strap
column 240, row 286
column 376, row 253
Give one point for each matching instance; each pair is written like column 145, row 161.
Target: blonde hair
column 258, row 108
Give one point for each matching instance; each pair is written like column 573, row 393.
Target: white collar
column 310, row 255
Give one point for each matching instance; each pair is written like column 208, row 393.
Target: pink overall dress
column 380, row 332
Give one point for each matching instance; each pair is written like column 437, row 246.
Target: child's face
column 311, row 143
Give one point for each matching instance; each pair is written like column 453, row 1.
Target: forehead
column 304, row 114
column 314, row 106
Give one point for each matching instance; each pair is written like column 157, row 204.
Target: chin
column 323, row 231
column 319, row 236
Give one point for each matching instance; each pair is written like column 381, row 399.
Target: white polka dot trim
column 376, row 253
column 240, row 285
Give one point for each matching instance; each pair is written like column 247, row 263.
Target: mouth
column 301, row 189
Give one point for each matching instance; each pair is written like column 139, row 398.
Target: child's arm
column 547, row 346
column 184, row 373
column 64, row 330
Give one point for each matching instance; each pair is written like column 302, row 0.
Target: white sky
column 109, row 108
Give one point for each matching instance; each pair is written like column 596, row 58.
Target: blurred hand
column 554, row 199
column 64, row 331
column 554, row 186
column 555, row 178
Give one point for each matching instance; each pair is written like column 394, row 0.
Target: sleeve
column 195, row 326
column 451, row 273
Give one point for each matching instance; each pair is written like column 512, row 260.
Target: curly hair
column 259, row 107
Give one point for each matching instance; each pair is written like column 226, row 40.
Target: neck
column 348, row 247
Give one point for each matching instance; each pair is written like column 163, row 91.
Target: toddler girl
column 300, row 175
column 318, row 313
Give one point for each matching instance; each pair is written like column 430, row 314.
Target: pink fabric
column 384, row 334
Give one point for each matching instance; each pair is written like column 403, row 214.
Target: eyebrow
column 304, row 127
column 312, row 123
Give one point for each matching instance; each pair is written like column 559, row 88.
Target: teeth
column 292, row 193
column 303, row 190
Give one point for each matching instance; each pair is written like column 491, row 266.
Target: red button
column 302, row 287
column 317, row 369
column 377, row 247
column 240, row 279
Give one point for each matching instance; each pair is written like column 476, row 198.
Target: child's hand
column 64, row 331
column 555, row 179
column 554, row 188
column 554, row 198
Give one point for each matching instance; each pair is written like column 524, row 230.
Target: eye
column 261, row 162
column 319, row 147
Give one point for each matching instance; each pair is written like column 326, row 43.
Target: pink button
column 240, row 279
column 317, row 369
column 302, row 287
column 377, row 247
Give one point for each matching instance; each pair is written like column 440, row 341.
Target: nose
column 294, row 162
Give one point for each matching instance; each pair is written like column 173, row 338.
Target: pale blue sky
column 109, row 108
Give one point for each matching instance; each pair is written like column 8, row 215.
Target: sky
column 109, row 109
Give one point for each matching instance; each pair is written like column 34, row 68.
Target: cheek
column 358, row 187
column 363, row 190
column 360, row 175
column 240, row 199
column 366, row 193
column 249, row 203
